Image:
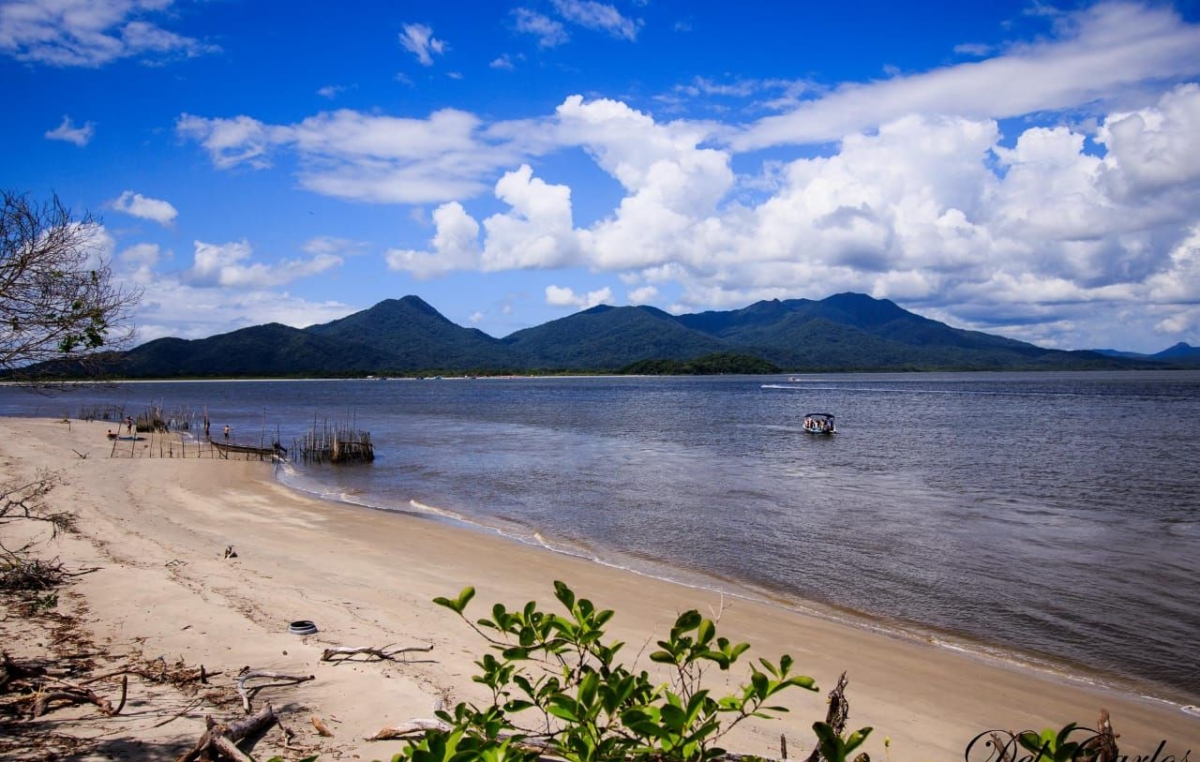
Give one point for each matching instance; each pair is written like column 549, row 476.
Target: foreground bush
column 558, row 690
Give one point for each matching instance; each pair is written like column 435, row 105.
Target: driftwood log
column 838, row 714
column 386, row 653
column 219, row 741
column 1105, row 741
column 248, row 692
column 409, row 729
column 77, row 694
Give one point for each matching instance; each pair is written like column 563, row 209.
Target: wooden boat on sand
column 274, row 450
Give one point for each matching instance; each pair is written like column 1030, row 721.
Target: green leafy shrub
column 557, row 689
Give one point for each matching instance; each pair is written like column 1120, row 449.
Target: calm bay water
column 1053, row 517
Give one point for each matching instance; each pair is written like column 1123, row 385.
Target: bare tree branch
column 58, row 298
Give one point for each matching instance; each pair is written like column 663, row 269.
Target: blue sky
column 1029, row 169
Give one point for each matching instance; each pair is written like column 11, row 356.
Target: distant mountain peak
column 599, row 309
column 1179, row 351
column 417, row 302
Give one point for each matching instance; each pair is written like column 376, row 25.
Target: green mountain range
column 845, row 332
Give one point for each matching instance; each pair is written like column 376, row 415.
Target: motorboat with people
column 819, row 424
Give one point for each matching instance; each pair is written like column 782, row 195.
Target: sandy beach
column 156, row 530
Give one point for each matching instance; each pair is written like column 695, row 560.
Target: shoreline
column 993, row 654
column 156, row 528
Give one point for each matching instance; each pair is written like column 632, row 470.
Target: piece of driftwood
column 322, row 728
column 220, row 740
column 386, row 653
column 1105, row 741
column 77, row 694
column 247, row 692
column 289, row 737
column 838, row 714
column 409, row 730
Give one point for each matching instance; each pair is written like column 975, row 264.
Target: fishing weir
column 156, row 432
column 336, row 444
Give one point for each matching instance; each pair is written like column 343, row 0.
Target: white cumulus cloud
column 138, row 205
column 560, row 296
column 68, row 132
column 537, row 232
column 364, row 157
column 228, row 265
column 455, row 246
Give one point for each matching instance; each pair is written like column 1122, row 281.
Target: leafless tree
column 58, row 299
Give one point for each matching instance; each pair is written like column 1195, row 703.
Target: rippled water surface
column 1053, row 517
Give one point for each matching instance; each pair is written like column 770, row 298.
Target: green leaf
column 761, row 684
column 674, row 717
column 459, row 604
column 769, row 667
column 802, row 681
column 564, row 707
column 824, row 732
column 587, row 689
column 564, row 594
column 688, row 620
column 856, row 738
column 1038, row 744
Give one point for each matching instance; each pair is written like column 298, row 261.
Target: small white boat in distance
column 819, row 424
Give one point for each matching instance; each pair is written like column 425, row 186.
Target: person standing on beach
column 227, row 431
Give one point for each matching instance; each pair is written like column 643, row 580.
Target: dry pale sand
column 157, row 528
